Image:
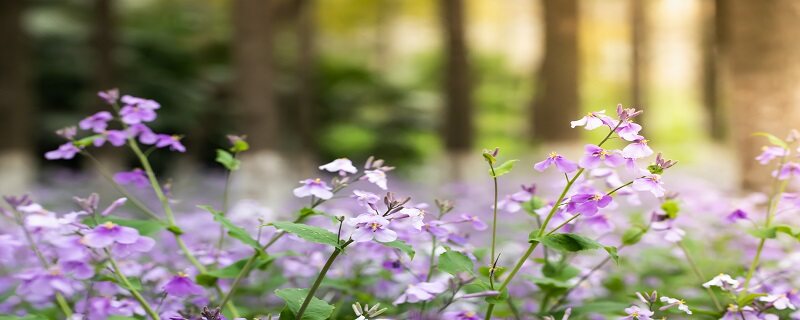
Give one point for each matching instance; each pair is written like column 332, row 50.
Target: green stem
column 60, row 300
column 171, row 216
column 319, row 279
column 107, row 175
column 136, row 295
column 778, row 188
column 699, row 275
column 494, row 215
column 225, row 197
column 543, row 227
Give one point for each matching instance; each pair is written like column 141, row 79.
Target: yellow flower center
column 553, row 154
column 374, row 226
column 183, row 274
column 109, row 225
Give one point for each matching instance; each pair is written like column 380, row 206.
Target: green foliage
column 228, row 160
column 569, row 242
column 310, row 233
column 504, row 168
column 633, row 235
column 405, row 247
column 773, row 139
column 317, row 309
column 455, row 263
column 234, row 231
column 671, row 208
column 210, row 277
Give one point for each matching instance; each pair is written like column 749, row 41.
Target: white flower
column 671, row 302
column 779, row 301
column 341, row 165
column 674, row 235
column 723, row 281
column 415, row 216
column 378, row 177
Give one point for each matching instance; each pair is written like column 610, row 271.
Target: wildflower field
column 606, row 235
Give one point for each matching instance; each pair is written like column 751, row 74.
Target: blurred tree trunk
column 557, row 101
column 255, row 112
column 103, row 73
column 458, row 108
column 385, row 12
column 713, row 16
column 763, row 76
column 306, row 67
column 16, row 107
column 638, row 45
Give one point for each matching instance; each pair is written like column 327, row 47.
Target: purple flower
column 365, row 199
column 596, row 155
column 378, row 177
column 476, row 222
column 135, row 177
column 313, row 187
column 423, row 291
column 109, row 233
column 65, row 151
column 171, row 141
column 341, row 165
column 78, row 269
column 39, row 285
column 67, row 132
column 437, row 229
column 651, row 182
column 109, row 96
column 138, row 110
column 145, row 134
column 181, row 286
column 561, row 163
column 413, row 214
column 514, row 201
column 787, row 171
column 461, row 315
column 371, row 226
column 637, row 149
column 142, row 244
column 636, row 313
column 97, row 122
column 587, row 204
column 114, row 137
column 113, row 206
column 736, row 215
column 770, row 153
column 593, row 120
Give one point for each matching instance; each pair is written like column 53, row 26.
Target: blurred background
column 424, row 84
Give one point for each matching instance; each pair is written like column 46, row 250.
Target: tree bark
column 458, row 108
column 255, row 112
column 762, row 76
column 306, row 68
column 16, row 105
column 638, row 70
column 713, row 16
column 557, row 101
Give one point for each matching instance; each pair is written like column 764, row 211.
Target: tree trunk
column 713, row 16
column 255, row 112
column 763, row 76
column 557, row 101
column 638, row 70
column 458, row 125
column 16, row 162
column 306, row 67
column 104, row 74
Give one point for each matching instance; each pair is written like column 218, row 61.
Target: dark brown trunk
column 557, row 101
column 458, row 108
column 255, row 112
column 306, row 67
column 15, row 80
column 763, row 76
column 713, row 15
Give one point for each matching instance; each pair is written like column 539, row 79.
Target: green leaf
column 310, row 233
column 28, row 317
column 489, row 157
column 503, row 168
column 239, row 145
column 503, row 296
column 773, row 139
column 748, row 298
column 454, row 263
column 397, row 244
column 316, row 310
column 612, row 251
column 234, row 231
column 671, row 207
column 228, row 160
column 550, row 284
column 764, row 233
column 532, row 205
column 633, row 235
column 561, row 272
column 210, row 277
column 569, row 242
column 87, row 141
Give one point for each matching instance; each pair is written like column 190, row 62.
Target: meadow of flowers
column 600, row 236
